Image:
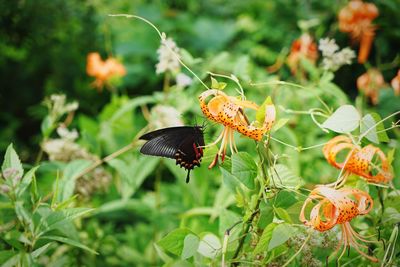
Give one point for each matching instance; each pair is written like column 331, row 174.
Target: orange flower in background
column 338, row 207
column 396, row 83
column 370, row 83
column 103, row 71
column 358, row 160
column 229, row 111
column 356, row 19
column 302, row 47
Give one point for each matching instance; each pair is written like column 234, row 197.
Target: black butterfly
column 182, row 143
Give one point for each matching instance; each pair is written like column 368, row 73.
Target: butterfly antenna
column 188, row 177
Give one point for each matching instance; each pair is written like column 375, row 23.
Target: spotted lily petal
column 359, row 160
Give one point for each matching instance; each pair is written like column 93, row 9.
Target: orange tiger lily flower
column 370, row 83
column 358, row 160
column 396, row 83
column 302, row 47
column 356, row 19
column 103, row 71
column 338, row 207
column 229, row 111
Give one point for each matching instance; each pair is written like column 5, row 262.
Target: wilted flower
column 338, row 207
column 229, row 111
column 396, row 83
column 302, row 47
column 182, row 80
column 103, row 71
column 162, row 116
column 168, row 54
column 356, row 19
column 66, row 150
column 370, row 83
column 333, row 59
column 359, row 162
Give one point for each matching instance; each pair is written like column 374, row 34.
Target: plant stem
column 112, row 155
column 106, row 159
column 297, row 253
column 245, row 231
column 248, row 223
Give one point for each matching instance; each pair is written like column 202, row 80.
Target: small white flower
column 165, row 116
column 64, row 133
column 168, row 54
column 333, row 59
column 58, row 106
column 71, row 106
column 345, row 56
column 182, row 80
column 328, row 47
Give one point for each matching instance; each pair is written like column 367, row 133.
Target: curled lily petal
column 358, row 160
column 229, row 111
column 334, row 146
column 338, row 207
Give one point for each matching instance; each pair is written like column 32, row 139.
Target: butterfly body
column 182, row 143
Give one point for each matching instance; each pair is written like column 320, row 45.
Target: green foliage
column 32, row 224
column 91, row 198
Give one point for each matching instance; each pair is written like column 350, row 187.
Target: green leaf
column 344, row 120
column 190, row 245
column 280, row 235
column 214, row 83
column 174, row 241
column 5, row 255
column 58, row 218
column 69, row 241
column 367, row 125
column 284, row 177
column 161, row 254
column 228, row 218
column 23, row 215
column 209, row 246
column 260, row 115
column 71, row 172
column 37, row 252
column 279, row 124
column 47, row 126
column 230, row 181
column 12, row 262
column 133, row 174
column 26, row 181
column 217, row 85
column 265, row 238
column 266, row 215
column 244, row 168
column 390, row 156
column 283, row 215
column 11, row 160
column 374, row 134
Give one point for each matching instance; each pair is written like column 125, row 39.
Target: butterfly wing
column 184, row 144
column 165, row 142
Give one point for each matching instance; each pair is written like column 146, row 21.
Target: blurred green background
column 44, row 45
column 43, row 50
